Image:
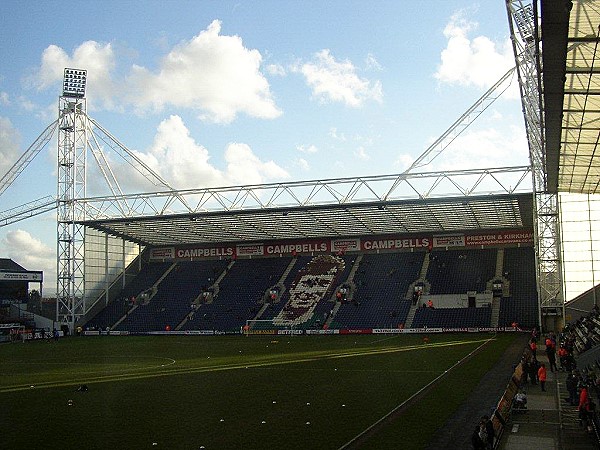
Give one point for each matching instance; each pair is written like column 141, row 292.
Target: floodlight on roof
column 74, row 83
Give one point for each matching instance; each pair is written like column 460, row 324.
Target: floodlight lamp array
column 74, row 83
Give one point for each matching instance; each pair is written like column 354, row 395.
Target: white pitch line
column 440, row 376
column 104, row 372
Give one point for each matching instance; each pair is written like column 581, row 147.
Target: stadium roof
column 571, row 88
column 8, row 265
column 438, row 215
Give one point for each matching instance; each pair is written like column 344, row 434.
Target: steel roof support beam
column 525, row 35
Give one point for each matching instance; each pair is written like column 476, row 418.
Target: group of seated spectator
column 583, row 374
column 585, row 332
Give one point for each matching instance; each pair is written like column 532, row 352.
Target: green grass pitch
column 233, row 392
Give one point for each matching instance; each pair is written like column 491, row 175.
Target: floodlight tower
column 72, row 148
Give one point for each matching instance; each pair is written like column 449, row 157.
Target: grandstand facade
column 369, row 284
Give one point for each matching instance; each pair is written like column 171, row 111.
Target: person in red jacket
column 542, row 376
column 562, row 356
column 533, row 347
column 584, row 408
column 551, row 353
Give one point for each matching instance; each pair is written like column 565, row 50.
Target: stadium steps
column 335, row 309
column 259, row 314
column 288, row 270
column 495, row 312
column 573, row 436
column 348, row 282
column 499, row 262
column 164, row 275
column 355, row 267
column 422, row 280
column 116, row 324
column 549, row 422
column 214, row 288
column 411, row 315
column 280, row 286
column 425, row 267
column 182, row 323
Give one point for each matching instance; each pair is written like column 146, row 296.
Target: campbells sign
column 343, row 245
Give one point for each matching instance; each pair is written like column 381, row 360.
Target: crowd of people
column 583, row 383
column 562, row 352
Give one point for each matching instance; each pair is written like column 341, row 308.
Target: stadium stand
column 460, row 271
column 309, row 287
column 240, row 295
column 382, row 282
column 115, row 310
column 169, row 304
column 361, row 291
column 521, row 304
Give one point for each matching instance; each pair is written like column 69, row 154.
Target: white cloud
column 185, row 164
column 276, row 69
column 307, row 148
column 333, row 132
column 371, row 63
column 476, row 61
column 179, row 159
column 27, row 105
column 4, row 99
column 212, row 73
column 483, row 149
column 99, row 61
column 303, row 164
column 361, row 154
column 31, row 253
column 9, row 145
column 244, row 167
column 404, row 161
column 337, row 81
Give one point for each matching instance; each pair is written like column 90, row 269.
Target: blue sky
column 223, row 93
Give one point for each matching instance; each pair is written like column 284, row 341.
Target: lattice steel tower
column 523, row 22
column 72, row 149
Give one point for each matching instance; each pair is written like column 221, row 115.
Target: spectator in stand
column 562, row 357
column 490, row 433
column 551, row 353
column 476, row 440
column 479, row 437
column 533, row 347
column 553, row 338
column 533, row 370
column 526, row 370
column 415, row 297
column 542, row 376
column 430, row 303
column 571, row 364
column 571, row 382
column 584, row 408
